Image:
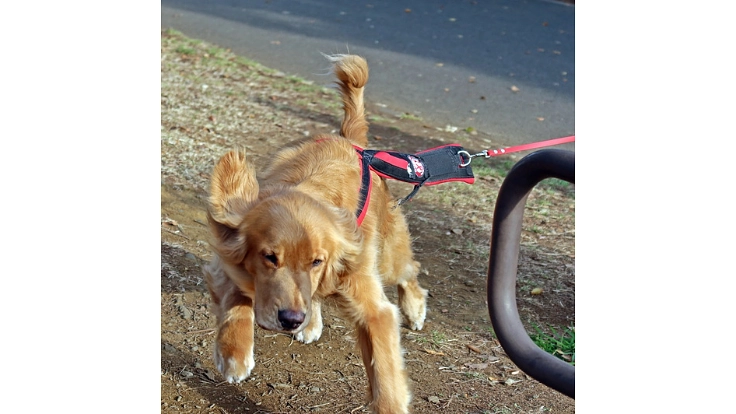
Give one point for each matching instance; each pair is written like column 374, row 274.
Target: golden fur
column 288, row 239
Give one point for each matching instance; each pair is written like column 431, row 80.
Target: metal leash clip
column 466, row 154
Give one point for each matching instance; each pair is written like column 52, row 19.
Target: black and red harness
column 430, row 167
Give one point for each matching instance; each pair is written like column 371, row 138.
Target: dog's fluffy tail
column 352, row 75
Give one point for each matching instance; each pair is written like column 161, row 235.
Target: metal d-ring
column 471, row 156
column 467, row 154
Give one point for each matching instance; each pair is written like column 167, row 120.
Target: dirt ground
column 212, row 101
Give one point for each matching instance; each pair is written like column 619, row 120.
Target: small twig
column 278, row 334
column 178, row 234
column 320, row 405
column 200, row 222
column 357, row 408
column 449, row 401
column 209, row 331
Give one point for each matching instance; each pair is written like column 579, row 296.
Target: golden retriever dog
column 287, row 239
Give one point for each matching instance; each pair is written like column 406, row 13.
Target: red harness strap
column 366, row 185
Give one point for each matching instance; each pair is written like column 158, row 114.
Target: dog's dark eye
column 316, row 262
column 271, row 258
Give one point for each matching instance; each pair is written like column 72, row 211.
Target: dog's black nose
column 291, row 319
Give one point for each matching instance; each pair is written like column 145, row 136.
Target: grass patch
column 498, row 167
column 185, row 50
column 436, row 339
column 379, row 119
column 560, row 344
column 557, row 185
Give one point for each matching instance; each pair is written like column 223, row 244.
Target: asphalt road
column 503, row 67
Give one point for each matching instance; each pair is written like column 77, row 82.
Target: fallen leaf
column 440, row 64
column 471, row 79
column 510, row 381
column 407, row 10
column 474, row 349
column 540, row 119
column 514, row 88
column 477, row 366
column 537, row 291
column 434, row 399
column 431, row 352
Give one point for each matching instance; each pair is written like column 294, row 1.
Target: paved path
column 504, row 67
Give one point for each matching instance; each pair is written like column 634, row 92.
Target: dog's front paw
column 308, row 336
column 235, row 367
column 413, row 302
column 416, row 321
column 312, row 332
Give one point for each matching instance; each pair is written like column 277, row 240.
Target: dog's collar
column 430, row 167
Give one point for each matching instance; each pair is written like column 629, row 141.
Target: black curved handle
column 503, row 264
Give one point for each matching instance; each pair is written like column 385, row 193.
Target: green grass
column 560, row 344
column 379, row 119
column 185, row 50
column 556, row 185
column 438, row 338
column 492, row 168
column 412, row 117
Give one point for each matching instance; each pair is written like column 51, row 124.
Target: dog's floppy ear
column 233, row 189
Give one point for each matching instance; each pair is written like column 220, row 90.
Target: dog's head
column 281, row 245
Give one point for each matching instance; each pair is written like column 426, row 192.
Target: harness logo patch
column 418, row 167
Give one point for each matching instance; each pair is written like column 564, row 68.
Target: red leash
column 523, row 147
